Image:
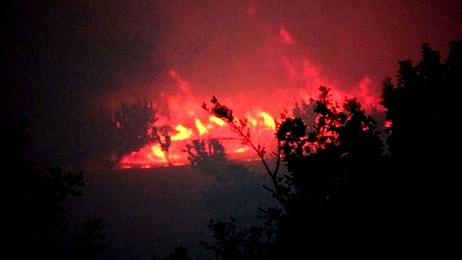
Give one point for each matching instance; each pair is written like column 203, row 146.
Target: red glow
column 210, row 127
column 183, row 133
column 285, row 36
column 191, row 122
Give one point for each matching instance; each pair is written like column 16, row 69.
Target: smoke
column 239, row 49
column 67, row 58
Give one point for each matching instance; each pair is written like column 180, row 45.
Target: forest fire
column 200, row 125
column 261, row 125
column 261, row 110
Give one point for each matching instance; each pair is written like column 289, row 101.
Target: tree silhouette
column 342, row 193
column 420, row 105
column 89, row 243
column 36, row 212
column 128, row 128
column 206, row 154
column 231, row 243
column 241, row 128
column 179, row 253
column 132, row 123
column 328, row 181
column 233, row 183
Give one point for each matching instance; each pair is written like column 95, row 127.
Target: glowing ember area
column 198, row 124
column 254, row 103
column 262, row 127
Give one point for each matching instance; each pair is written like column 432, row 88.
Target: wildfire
column 183, row 133
column 262, row 124
column 190, row 122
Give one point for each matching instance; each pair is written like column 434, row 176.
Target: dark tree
column 36, row 212
column 179, row 253
column 233, row 183
column 206, row 155
column 234, row 244
column 421, row 107
column 341, row 194
column 36, row 196
column 331, row 172
column 89, row 243
column 127, row 129
column 132, row 123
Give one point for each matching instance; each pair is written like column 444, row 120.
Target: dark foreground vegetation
column 342, row 185
column 342, row 193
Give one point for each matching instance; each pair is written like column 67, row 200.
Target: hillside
column 149, row 211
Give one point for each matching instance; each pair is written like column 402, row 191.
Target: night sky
column 65, row 59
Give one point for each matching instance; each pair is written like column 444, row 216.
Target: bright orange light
column 268, row 120
column 252, row 121
column 183, row 133
column 200, row 127
column 157, row 153
column 192, row 122
column 241, row 150
column 217, row 120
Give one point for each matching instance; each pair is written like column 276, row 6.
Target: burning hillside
column 270, row 82
column 197, row 124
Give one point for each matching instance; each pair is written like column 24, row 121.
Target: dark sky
column 66, row 58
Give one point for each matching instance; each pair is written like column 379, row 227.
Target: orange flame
column 183, row 133
column 191, row 122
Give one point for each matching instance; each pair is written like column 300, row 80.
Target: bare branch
column 239, row 126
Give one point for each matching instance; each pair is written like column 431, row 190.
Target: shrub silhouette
column 37, row 216
column 325, row 186
column 235, row 190
column 128, row 128
column 344, row 192
column 419, row 105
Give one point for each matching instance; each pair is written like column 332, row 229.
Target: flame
column 241, row 150
column 261, row 123
column 217, row 121
column 202, row 129
column 183, row 133
column 157, row 153
column 268, row 120
column 192, row 122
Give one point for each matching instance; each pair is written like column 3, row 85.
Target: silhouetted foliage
column 325, row 186
column 232, row 182
column 37, row 209
column 179, row 253
column 90, row 241
column 420, row 106
column 241, row 128
column 230, row 243
column 206, row 154
column 422, row 96
column 333, row 168
column 132, row 123
column 341, row 193
column 45, row 193
column 130, row 127
column 304, row 111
